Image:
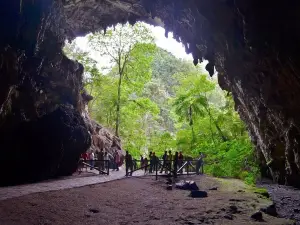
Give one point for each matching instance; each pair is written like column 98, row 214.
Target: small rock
column 296, row 210
column 257, row 216
column 198, row 194
column 169, row 187
column 213, row 189
column 233, row 209
column 236, row 200
column 87, row 215
column 240, row 191
column 228, row 216
column 270, row 210
column 94, row 210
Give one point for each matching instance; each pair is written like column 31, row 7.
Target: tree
column 119, row 45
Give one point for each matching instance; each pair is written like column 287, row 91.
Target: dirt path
column 138, row 200
column 75, row 181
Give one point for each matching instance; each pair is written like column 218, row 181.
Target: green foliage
column 165, row 103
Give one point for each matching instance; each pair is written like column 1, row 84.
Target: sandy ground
column 137, row 200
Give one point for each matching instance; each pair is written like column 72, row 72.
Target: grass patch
column 260, row 191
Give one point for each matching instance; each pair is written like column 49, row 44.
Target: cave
column 251, row 44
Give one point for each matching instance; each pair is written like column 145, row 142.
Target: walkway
column 54, row 185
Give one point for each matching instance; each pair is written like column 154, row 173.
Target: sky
column 169, row 44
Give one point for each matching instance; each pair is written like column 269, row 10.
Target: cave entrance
column 42, row 93
column 147, row 91
column 253, row 50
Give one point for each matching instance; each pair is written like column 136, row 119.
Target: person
column 106, row 159
column 116, row 160
column 151, row 162
column 199, row 163
column 85, row 158
column 80, row 164
column 180, row 161
column 92, row 158
column 169, row 161
column 146, row 165
column 164, row 165
column 128, row 163
column 154, row 162
column 175, row 163
column 101, row 158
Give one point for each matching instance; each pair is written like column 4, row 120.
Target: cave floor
column 86, row 178
column 138, row 200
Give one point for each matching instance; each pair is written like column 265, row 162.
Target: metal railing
column 169, row 167
column 102, row 166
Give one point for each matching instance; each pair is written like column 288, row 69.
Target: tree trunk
column 118, row 112
column 224, row 138
column 192, row 127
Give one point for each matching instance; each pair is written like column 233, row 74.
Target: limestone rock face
column 252, row 44
column 102, row 138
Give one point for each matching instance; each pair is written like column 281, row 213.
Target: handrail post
column 99, row 167
column 187, row 168
column 108, row 165
column 175, row 166
column 156, row 168
column 126, row 168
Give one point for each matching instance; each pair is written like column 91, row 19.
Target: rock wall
column 102, row 138
column 42, row 132
column 252, row 44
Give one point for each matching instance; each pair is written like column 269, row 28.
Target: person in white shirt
column 92, row 158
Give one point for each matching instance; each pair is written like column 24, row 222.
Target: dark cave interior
column 252, row 44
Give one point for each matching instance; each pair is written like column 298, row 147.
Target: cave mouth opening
column 254, row 60
column 104, row 62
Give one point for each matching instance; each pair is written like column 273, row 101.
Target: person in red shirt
column 84, row 156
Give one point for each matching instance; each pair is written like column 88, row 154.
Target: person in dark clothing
column 100, row 157
column 169, row 161
column 146, row 165
column 175, row 165
column 164, row 165
column 199, row 163
column 180, row 161
column 154, row 162
column 129, row 164
column 151, row 162
column 116, row 160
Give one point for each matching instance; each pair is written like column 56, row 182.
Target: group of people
column 153, row 164
column 100, row 159
column 169, row 162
